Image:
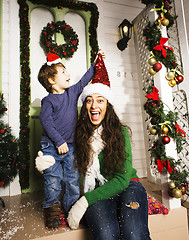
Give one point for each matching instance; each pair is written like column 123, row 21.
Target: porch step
column 173, row 226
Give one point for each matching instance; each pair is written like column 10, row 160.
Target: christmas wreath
column 65, row 50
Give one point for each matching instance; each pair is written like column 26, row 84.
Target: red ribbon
column 179, row 130
column 161, row 46
column 153, row 95
column 161, row 164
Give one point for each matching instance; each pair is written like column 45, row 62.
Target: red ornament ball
column 157, row 66
column 179, row 78
column 2, row 183
column 165, row 139
column 165, row 211
column 2, row 131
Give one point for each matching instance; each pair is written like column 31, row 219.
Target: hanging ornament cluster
column 164, row 127
column 174, row 77
column 161, row 20
column 155, row 66
column 160, row 52
column 163, row 9
column 177, row 191
column 24, row 153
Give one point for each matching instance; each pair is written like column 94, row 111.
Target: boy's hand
column 63, row 148
column 103, row 55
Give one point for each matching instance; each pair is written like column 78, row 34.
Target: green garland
column 24, row 95
column 24, row 134
column 153, row 36
column 164, row 126
column 159, row 119
column 63, row 50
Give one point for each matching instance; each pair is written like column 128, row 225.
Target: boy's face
column 61, row 80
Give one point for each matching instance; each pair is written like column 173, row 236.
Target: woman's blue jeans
column 123, row 217
column 63, row 175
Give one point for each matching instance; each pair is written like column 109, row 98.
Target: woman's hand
column 43, row 162
column 76, row 213
column 63, row 148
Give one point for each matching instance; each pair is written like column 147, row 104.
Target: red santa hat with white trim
column 52, row 58
column 100, row 83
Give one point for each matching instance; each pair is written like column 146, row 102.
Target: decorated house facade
column 149, row 79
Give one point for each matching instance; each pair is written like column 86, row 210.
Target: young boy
column 58, row 117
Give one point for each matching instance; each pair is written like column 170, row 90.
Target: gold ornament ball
column 164, row 129
column 177, row 193
column 170, row 75
column 171, row 184
column 153, row 131
column 165, row 22
column 152, row 61
column 172, row 83
column 151, row 71
column 158, row 22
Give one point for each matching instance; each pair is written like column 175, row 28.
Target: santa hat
column 52, row 58
column 100, row 83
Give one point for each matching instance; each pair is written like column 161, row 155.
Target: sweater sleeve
column 87, row 77
column 118, row 183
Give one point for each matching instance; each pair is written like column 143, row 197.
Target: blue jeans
column 63, row 175
column 123, row 217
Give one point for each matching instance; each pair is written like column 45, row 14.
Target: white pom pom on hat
column 100, row 83
column 52, row 58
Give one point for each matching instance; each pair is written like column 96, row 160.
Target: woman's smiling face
column 96, row 106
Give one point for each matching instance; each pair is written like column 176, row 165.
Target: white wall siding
column 122, row 67
column 10, row 76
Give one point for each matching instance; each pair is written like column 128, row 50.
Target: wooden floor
column 22, row 217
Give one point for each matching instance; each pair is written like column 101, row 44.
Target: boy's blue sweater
column 58, row 114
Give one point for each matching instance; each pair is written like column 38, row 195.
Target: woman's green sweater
column 119, row 182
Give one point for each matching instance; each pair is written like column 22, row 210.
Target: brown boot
column 52, row 216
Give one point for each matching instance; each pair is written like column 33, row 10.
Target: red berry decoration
column 179, row 78
column 157, row 67
column 165, row 139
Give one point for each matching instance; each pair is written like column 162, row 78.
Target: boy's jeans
column 62, row 174
column 122, row 217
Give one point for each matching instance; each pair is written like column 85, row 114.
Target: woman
column 114, row 202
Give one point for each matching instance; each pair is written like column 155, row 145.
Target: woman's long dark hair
column 112, row 135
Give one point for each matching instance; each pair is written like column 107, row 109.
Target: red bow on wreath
column 161, row 164
column 161, row 46
column 154, row 95
column 179, row 130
